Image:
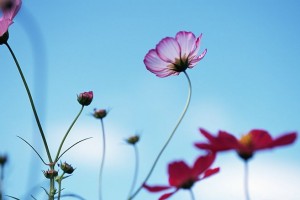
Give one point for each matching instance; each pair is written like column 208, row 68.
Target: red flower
column 246, row 146
column 181, row 176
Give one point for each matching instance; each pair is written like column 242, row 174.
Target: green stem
column 65, row 136
column 31, row 102
column 169, row 139
column 246, row 181
column 192, row 194
column 59, row 186
column 52, row 189
column 1, row 181
column 136, row 169
column 103, row 159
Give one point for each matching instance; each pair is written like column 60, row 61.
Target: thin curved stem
column 192, row 194
column 103, row 159
column 136, row 169
column 67, row 133
column 246, row 181
column 1, row 181
column 31, row 103
column 59, row 185
column 169, row 139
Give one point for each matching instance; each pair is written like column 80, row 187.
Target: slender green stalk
column 136, row 169
column 31, row 102
column 52, row 189
column 67, row 133
column 103, row 159
column 1, row 181
column 59, row 185
column 169, row 139
column 192, row 194
column 246, row 181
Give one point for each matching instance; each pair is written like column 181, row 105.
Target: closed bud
column 50, row 174
column 85, row 98
column 99, row 114
column 66, row 168
column 133, row 139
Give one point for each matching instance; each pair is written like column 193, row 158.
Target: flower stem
column 1, row 181
column 65, row 136
column 169, row 139
column 136, row 169
column 59, row 185
column 192, row 194
column 31, row 102
column 246, row 181
column 103, row 159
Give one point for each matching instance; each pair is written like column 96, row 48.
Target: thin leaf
column 33, row 149
column 12, row 197
column 45, row 190
column 33, row 197
column 71, row 147
column 72, row 195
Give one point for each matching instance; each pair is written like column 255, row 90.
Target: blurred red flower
column 245, row 146
column 182, row 176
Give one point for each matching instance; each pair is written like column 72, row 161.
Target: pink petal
column 179, row 173
column 285, row 139
column 155, row 188
column 168, row 50
column 167, row 195
column 11, row 13
column 195, row 60
column 203, row 163
column 4, row 24
column 187, row 43
column 156, row 65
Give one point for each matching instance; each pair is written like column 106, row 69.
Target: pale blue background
column 248, row 79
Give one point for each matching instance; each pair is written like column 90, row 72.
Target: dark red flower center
column 7, row 5
column 181, row 64
column 188, row 184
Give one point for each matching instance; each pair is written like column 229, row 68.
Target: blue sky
column 248, row 79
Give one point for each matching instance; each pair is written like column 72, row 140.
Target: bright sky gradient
column 249, row 79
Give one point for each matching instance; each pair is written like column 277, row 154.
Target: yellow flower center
column 246, row 140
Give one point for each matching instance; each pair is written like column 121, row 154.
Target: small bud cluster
column 99, row 114
column 50, row 173
column 67, row 168
column 3, row 159
column 133, row 139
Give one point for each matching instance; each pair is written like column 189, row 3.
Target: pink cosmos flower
column 9, row 9
column 174, row 55
column 182, row 176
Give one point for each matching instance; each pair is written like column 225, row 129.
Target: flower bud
column 99, row 114
column 133, row 139
column 85, row 98
column 50, row 174
column 67, row 168
column 3, row 159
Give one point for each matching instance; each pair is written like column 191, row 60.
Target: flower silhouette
column 246, row 146
column 174, row 55
column 182, row 176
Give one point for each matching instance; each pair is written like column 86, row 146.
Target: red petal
column 207, row 134
column 285, row 139
column 261, row 139
column 210, row 172
column 167, row 195
column 179, row 173
column 155, row 188
column 203, row 163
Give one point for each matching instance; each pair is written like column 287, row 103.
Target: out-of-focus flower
column 3, row 160
column 50, row 173
column 174, row 55
column 133, row 139
column 245, row 146
column 9, row 9
column 85, row 98
column 67, row 168
column 100, row 113
column 182, row 176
